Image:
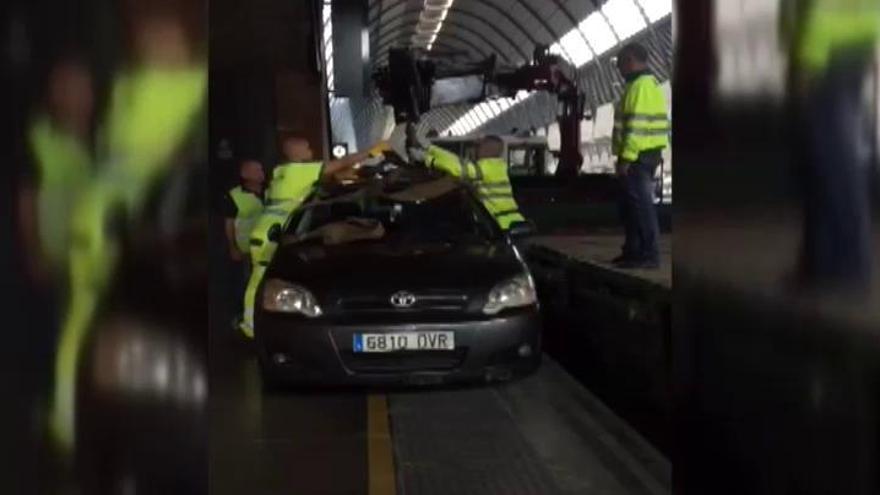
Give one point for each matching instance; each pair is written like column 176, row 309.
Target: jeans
column 637, row 210
column 837, row 223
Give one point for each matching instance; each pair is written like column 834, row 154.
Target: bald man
column 291, row 184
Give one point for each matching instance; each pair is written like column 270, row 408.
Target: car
column 405, row 279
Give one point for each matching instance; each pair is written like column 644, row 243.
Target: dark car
column 408, row 281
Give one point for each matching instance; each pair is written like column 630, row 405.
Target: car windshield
column 451, row 217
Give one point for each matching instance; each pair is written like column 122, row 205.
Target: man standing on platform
column 641, row 133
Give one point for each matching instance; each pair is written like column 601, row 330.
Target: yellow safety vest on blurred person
column 248, row 209
column 828, row 27
column 152, row 112
column 489, row 176
column 291, row 184
column 641, row 120
column 63, row 168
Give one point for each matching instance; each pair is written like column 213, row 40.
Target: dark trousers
column 241, row 273
column 637, row 210
column 836, row 172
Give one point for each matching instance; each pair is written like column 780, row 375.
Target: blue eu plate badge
column 358, row 343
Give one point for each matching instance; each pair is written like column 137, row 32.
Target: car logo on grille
column 403, row 299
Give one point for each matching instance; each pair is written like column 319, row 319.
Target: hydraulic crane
column 407, row 81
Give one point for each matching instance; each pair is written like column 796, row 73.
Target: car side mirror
column 522, row 229
column 274, row 234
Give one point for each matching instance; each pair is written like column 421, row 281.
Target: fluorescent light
column 598, row 33
column 656, row 9
column 625, row 17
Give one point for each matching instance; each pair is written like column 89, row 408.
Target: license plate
column 407, row 341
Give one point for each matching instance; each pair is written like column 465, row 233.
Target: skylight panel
column 598, row 33
column 656, row 9
column 574, row 45
column 624, row 17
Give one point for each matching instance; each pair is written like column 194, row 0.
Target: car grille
column 403, row 361
column 433, row 302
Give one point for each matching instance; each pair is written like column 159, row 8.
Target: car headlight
column 516, row 292
column 285, row 297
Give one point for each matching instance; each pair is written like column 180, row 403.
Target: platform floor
column 542, row 435
column 754, row 252
column 598, row 249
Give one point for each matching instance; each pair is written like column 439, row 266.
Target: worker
column 831, row 46
column 641, row 133
column 243, row 205
column 154, row 106
column 291, row 184
column 61, row 164
column 58, row 167
column 489, row 174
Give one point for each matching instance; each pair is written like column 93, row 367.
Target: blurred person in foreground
column 831, row 46
column 641, row 133
column 153, row 109
column 57, row 169
column 242, row 208
column 291, row 184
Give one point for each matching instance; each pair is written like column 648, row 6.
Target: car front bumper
column 293, row 349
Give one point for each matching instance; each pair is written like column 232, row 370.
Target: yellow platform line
column 380, row 456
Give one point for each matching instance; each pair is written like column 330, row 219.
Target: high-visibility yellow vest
column 641, row 120
column 152, row 111
column 489, row 176
column 291, row 185
column 248, row 209
column 830, row 26
column 63, row 167
column 496, row 192
column 450, row 163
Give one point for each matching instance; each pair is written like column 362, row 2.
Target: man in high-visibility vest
column 488, row 174
column 242, row 208
column 641, row 132
column 831, row 46
column 291, row 184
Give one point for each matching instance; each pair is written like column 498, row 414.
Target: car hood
column 373, row 268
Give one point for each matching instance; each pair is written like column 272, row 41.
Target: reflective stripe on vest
column 496, row 192
column 248, row 208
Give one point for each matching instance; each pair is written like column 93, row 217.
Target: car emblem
column 403, row 299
